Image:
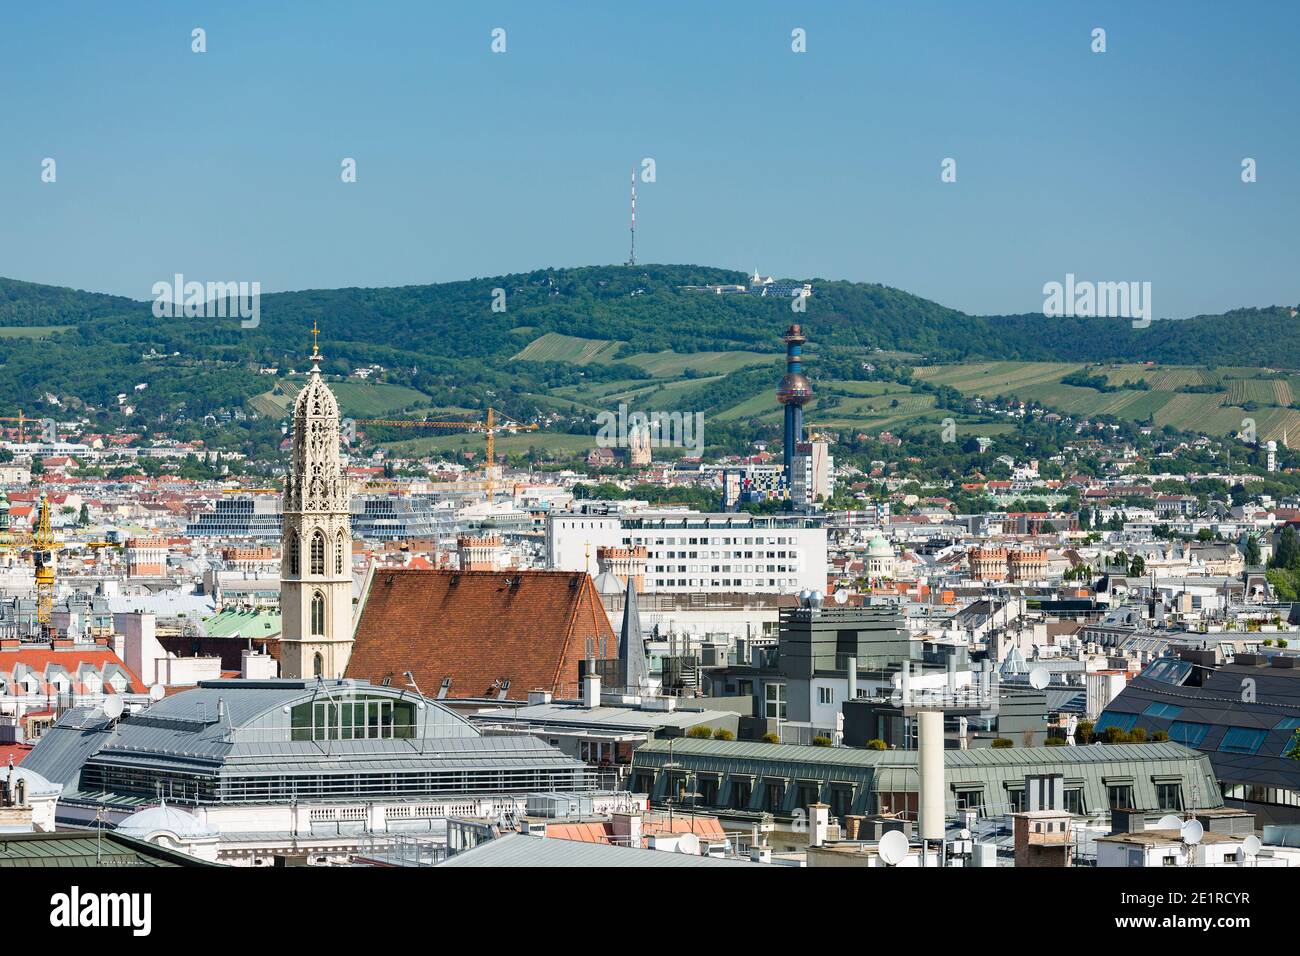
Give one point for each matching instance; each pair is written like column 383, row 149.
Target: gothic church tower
column 316, row 553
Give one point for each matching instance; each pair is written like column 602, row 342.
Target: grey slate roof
column 629, row 719
column 1220, row 704
column 516, row 849
column 995, row 771
column 183, row 733
column 631, row 645
column 793, row 755
column 64, row 747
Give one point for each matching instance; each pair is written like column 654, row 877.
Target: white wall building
column 690, row 552
column 812, row 473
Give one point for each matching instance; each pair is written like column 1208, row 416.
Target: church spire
column 316, row 554
column 631, row 646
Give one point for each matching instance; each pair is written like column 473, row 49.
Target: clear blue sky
column 225, row 166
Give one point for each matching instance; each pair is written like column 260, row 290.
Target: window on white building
column 776, row 702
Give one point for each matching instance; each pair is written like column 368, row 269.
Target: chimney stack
column 591, row 691
column 930, row 744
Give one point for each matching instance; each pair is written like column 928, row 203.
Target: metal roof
column 622, row 718
column 996, row 772
column 63, row 748
column 174, row 736
column 86, row 849
column 516, row 849
column 1218, row 706
column 979, row 756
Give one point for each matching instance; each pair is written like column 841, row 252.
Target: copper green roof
column 86, row 848
column 234, row 622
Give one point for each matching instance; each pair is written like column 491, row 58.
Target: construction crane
column 42, row 544
column 22, row 421
column 490, row 428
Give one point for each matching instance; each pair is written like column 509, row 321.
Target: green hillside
column 1211, row 400
column 573, row 342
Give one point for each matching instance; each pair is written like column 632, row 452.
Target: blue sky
column 225, row 165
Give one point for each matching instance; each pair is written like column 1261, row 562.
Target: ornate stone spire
column 315, row 481
column 316, row 557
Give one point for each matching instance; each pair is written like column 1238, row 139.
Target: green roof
column 996, row 772
column 976, row 757
column 84, row 848
column 236, row 622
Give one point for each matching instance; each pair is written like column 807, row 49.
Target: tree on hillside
column 1287, row 553
column 1252, row 552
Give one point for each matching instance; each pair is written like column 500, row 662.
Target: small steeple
column 315, row 348
column 631, row 647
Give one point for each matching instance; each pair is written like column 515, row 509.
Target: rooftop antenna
column 421, row 706
column 1250, row 847
column 1191, row 834
column 631, row 259
column 892, row 848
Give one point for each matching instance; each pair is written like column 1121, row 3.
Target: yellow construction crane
column 490, row 428
column 42, row 544
column 22, row 421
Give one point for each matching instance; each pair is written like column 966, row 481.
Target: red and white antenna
column 631, row 259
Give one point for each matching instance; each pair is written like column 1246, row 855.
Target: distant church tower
column 316, row 555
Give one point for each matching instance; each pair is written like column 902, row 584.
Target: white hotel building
column 690, row 551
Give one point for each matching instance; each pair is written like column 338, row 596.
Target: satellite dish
column 689, row 843
column 892, row 848
column 1192, row 831
column 1169, row 822
column 841, row 596
column 1250, row 846
column 963, row 834
column 1039, row 678
column 113, row 708
column 157, row 692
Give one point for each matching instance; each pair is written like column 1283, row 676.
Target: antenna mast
column 631, row 259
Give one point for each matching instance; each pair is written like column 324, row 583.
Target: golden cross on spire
column 314, row 332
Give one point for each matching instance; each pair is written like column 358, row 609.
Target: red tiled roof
column 591, row 832
column 38, row 658
column 16, row 752
column 707, row 827
column 477, row 628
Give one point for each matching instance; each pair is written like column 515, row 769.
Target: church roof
column 481, row 629
column 607, row 582
column 879, row 548
column 631, row 645
column 316, row 398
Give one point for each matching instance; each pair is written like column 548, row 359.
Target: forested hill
column 90, row 347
